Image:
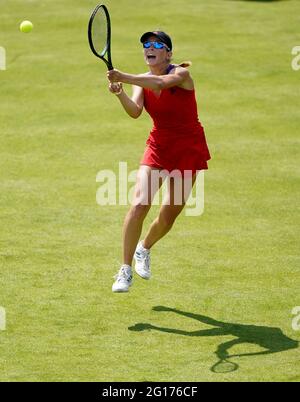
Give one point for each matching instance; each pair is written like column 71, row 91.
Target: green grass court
column 236, row 268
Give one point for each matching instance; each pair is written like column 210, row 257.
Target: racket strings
column 99, row 32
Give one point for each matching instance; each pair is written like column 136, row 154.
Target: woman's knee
column 139, row 211
column 168, row 218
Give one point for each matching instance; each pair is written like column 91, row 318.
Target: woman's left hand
column 115, row 76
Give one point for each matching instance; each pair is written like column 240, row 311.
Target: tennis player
column 176, row 143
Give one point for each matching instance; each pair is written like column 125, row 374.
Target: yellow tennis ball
column 26, row 26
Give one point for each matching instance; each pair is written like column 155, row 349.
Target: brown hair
column 185, row 64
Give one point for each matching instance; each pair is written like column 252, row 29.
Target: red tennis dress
column 177, row 140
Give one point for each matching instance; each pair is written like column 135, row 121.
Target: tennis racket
column 99, row 34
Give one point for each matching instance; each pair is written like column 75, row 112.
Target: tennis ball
column 26, row 26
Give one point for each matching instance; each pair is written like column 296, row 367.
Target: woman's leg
column 145, row 190
column 178, row 191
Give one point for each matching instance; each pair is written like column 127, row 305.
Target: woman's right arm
column 134, row 105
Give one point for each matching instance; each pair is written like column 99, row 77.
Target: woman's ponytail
column 185, row 64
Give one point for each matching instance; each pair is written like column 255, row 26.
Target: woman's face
column 154, row 57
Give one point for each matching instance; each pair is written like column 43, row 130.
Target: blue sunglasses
column 156, row 45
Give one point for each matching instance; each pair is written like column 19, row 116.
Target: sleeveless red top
column 177, row 139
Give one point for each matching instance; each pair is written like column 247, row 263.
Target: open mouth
column 151, row 57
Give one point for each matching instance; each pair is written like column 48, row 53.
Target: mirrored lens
column 158, row 45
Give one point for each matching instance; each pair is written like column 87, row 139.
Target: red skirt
column 186, row 153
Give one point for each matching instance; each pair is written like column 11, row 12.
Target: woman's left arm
column 156, row 82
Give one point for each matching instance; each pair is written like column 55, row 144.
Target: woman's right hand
column 115, row 87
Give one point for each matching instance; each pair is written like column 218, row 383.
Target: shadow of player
column 271, row 339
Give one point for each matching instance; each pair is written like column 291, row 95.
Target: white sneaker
column 123, row 280
column 142, row 261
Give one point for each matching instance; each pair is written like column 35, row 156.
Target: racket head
column 99, row 34
column 224, row 366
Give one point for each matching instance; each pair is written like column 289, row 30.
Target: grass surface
column 236, row 264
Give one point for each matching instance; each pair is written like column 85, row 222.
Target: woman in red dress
column 176, row 145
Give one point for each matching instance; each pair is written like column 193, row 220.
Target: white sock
column 126, row 266
column 142, row 247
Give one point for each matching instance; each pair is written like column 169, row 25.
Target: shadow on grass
column 271, row 339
